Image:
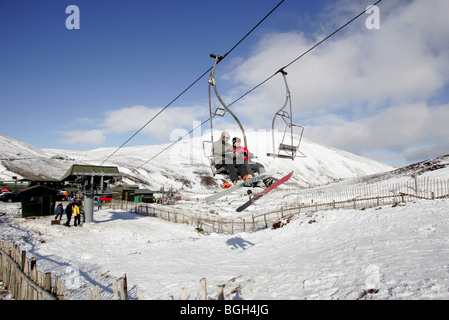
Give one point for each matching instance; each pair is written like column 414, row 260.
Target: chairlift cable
column 193, row 83
column 154, row 117
column 290, row 63
column 329, row 36
column 175, row 142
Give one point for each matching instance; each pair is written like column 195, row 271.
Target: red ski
column 257, row 196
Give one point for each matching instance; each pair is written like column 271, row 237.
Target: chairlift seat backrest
column 289, row 148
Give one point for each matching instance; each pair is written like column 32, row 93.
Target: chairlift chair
column 292, row 135
column 220, row 112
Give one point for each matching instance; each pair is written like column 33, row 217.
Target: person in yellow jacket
column 76, row 214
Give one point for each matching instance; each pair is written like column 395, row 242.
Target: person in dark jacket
column 59, row 211
column 224, row 156
column 68, row 212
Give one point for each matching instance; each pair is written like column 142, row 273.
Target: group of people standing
column 75, row 209
column 237, row 160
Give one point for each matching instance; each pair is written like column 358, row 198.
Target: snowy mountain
column 26, row 161
column 384, row 252
column 184, row 165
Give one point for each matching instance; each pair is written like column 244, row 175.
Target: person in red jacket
column 243, row 153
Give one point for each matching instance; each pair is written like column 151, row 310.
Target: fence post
column 47, row 282
column 114, row 288
column 1, row 266
column 220, row 294
column 140, row 295
column 96, row 292
column 22, row 260
column 203, row 289
column 124, row 288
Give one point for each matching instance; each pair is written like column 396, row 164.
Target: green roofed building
column 90, row 179
column 96, row 174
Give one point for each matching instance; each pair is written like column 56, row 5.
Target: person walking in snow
column 59, row 211
column 224, row 156
column 76, row 215
column 68, row 212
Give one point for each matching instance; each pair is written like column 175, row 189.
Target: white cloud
column 89, row 137
column 131, row 119
column 364, row 90
column 404, row 128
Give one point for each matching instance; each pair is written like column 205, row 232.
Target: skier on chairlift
column 224, row 156
column 255, row 167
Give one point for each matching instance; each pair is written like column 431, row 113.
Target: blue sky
column 378, row 93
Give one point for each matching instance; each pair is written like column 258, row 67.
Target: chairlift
column 292, row 135
column 220, row 112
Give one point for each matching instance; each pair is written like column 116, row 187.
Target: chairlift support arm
column 288, row 119
column 213, row 83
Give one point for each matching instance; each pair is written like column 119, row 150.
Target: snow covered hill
column 24, row 160
column 184, row 166
column 385, row 252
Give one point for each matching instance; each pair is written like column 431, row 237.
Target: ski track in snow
column 400, row 251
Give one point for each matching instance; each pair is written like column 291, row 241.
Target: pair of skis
column 252, row 197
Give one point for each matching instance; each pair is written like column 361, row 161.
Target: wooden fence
column 304, row 201
column 25, row 282
column 20, row 275
column 204, row 293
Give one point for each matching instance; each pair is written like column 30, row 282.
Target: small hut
column 38, row 201
column 124, row 192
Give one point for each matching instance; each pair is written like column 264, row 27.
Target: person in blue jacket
column 59, row 211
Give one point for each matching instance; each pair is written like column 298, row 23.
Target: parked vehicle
column 10, row 197
column 106, row 198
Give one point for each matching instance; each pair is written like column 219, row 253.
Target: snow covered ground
column 382, row 253
column 386, row 252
